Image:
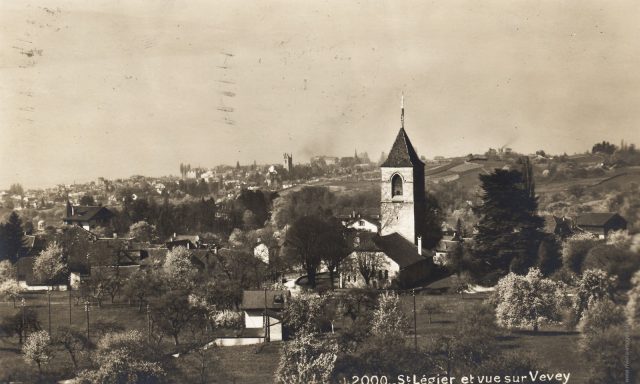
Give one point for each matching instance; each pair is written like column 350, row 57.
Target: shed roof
column 256, row 299
column 596, row 219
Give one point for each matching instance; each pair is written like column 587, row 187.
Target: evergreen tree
column 509, row 229
column 13, row 237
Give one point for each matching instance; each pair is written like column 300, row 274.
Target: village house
column 601, row 224
column 87, row 217
column 263, row 310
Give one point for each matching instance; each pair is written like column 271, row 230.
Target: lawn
column 256, row 364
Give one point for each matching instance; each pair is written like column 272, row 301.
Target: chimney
column 420, row 245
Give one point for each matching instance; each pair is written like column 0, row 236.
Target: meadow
column 554, row 347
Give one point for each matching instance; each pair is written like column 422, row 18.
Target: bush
column 600, row 316
column 229, row 319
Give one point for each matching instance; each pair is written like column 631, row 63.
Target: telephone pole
column 415, row 325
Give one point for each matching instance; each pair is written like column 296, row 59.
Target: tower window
column 396, row 185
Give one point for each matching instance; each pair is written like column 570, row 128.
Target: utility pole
column 148, row 324
column 86, row 309
column 24, row 323
column 49, row 304
column 69, row 307
column 266, row 318
column 415, row 326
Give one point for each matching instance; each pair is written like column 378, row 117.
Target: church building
column 395, row 254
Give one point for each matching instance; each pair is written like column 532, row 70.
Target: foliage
column 178, row 267
column 509, row 230
column 19, row 324
column 471, row 344
column 594, row 285
column 38, row 349
column 308, row 201
column 615, row 259
column 50, row 265
column 72, row 341
column 122, row 357
column 604, row 147
column 633, row 305
column 229, row 319
column 600, row 316
column 173, row 312
column 433, row 218
column 526, row 301
column 310, row 239
column 303, row 314
column 355, row 303
column 604, row 351
column 143, row 231
column 575, row 250
column 388, row 318
column 10, row 289
column 142, row 285
column 11, row 238
column 306, row 359
column 7, row 270
column 87, row 200
column 549, row 256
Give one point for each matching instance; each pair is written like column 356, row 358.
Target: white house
column 263, row 310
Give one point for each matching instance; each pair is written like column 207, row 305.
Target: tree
column 122, row 357
column 633, row 305
column 172, row 312
column 575, row 250
column 303, row 314
column 50, row 265
column 388, row 318
column 87, row 200
column 19, row 324
column 594, row 285
column 308, row 201
column 178, row 267
column 143, row 284
column 509, row 230
column 526, row 301
column 335, row 247
column 306, row 239
column 13, row 236
column 10, row 289
column 433, row 218
column 144, row 232
column 38, row 349
column 72, row 341
column 600, row 316
column 306, row 359
column 602, row 351
column 549, row 257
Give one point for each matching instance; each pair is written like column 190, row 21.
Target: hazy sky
column 115, row 88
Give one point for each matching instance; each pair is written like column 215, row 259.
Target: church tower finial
column 402, row 111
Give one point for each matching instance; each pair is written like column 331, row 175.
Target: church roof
column 402, row 153
column 399, row 249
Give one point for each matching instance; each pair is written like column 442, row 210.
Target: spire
column 402, row 111
column 402, row 153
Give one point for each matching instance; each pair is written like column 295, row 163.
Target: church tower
column 402, row 202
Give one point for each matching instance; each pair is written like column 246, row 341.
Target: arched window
column 396, row 185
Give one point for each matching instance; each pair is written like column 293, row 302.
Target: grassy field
column 256, row 364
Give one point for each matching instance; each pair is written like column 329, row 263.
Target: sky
column 110, row 89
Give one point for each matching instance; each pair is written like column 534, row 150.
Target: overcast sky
column 115, row 88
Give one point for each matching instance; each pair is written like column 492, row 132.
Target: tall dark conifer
column 509, row 230
column 14, row 237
